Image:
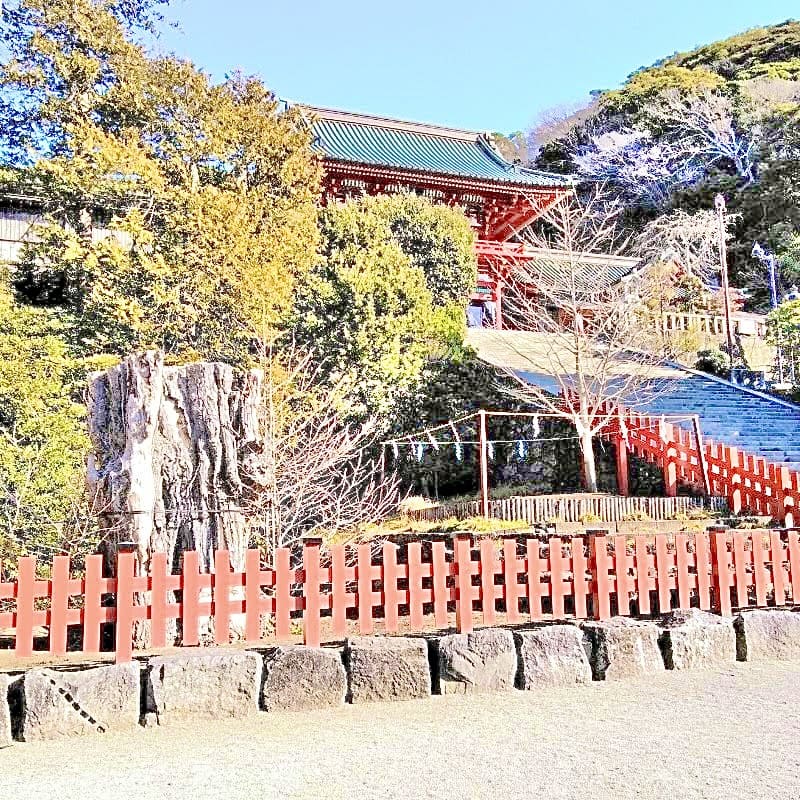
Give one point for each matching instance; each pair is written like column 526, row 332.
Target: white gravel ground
column 722, row 734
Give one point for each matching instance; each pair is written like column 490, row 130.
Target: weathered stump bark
column 169, row 447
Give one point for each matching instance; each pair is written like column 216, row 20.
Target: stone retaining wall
column 227, row 683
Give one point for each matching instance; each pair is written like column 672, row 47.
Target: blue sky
column 479, row 65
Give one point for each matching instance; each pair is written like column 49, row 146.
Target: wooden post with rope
column 483, row 463
column 701, row 454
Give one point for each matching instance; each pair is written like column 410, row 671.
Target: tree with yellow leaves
column 206, row 192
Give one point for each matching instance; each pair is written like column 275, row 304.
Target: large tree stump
column 169, row 444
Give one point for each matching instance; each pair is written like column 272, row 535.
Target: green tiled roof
column 592, row 273
column 374, row 141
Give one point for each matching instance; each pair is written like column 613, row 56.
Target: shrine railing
column 422, row 585
column 572, row 508
column 747, row 482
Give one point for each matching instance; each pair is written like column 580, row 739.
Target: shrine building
column 363, row 154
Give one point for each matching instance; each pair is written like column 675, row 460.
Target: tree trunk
column 589, row 465
column 169, row 444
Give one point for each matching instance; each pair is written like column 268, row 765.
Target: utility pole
column 719, row 204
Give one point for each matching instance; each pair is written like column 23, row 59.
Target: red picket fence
column 346, row 589
column 746, row 481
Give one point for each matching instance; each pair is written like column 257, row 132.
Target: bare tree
column 587, row 354
column 694, row 133
column 639, row 167
column 704, row 127
column 326, row 475
column 558, row 122
column 690, row 240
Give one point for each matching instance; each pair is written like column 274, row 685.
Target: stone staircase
column 733, row 415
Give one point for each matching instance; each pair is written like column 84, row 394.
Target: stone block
column 482, row 661
column 5, row 713
column 297, row 678
column 56, row 703
column 768, row 636
column 552, row 656
column 210, row 683
column 387, row 668
column 695, row 639
column 623, row 648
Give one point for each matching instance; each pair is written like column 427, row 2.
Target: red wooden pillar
column 623, row 487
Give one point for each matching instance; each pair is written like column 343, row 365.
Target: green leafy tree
column 783, row 330
column 388, row 292
column 206, row 192
column 43, row 443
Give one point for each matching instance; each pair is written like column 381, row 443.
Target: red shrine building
column 364, row 154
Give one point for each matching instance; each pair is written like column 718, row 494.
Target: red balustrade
column 336, row 592
column 744, row 480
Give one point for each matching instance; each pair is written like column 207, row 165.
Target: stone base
column 768, row 636
column 298, row 678
column 387, row 668
column 695, row 639
column 5, row 713
column 57, row 703
column 211, row 683
column 623, row 648
column 552, row 656
column 483, row 661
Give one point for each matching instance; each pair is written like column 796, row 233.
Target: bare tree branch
column 587, row 350
column 694, row 133
column 322, row 474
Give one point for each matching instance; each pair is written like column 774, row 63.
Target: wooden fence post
column 283, row 593
column 785, row 495
column 125, row 601
column 252, row 596
column 26, row 606
column 92, row 604
column 598, row 566
column 311, row 591
column 734, row 479
column 701, row 454
column 221, row 593
column 59, row 605
column 483, row 463
column 720, row 570
column 462, row 557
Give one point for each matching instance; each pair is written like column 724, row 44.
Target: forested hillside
column 724, row 117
